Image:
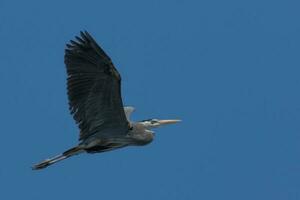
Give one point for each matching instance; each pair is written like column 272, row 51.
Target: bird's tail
column 71, row 152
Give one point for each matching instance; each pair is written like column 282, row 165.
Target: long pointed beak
column 169, row 121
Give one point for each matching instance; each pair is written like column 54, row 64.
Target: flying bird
column 94, row 94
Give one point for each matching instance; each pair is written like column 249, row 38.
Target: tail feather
column 71, row 152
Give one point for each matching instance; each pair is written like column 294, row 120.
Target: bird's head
column 154, row 123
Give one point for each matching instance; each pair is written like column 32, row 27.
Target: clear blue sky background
column 228, row 69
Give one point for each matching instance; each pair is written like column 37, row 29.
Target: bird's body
column 137, row 135
column 94, row 91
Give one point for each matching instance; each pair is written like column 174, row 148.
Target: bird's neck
column 142, row 137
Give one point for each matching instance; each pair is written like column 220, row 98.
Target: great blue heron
column 94, row 92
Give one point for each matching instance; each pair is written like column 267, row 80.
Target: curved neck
column 141, row 135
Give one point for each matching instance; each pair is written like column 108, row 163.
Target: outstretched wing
column 94, row 88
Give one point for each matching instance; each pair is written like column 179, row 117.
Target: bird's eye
column 153, row 121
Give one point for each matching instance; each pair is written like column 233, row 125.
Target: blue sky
column 228, row 69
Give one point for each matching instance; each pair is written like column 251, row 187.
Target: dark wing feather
column 94, row 88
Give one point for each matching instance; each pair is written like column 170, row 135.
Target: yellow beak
column 169, row 121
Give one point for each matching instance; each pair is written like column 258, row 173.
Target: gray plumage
column 94, row 92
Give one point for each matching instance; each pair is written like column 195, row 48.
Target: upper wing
column 94, row 87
